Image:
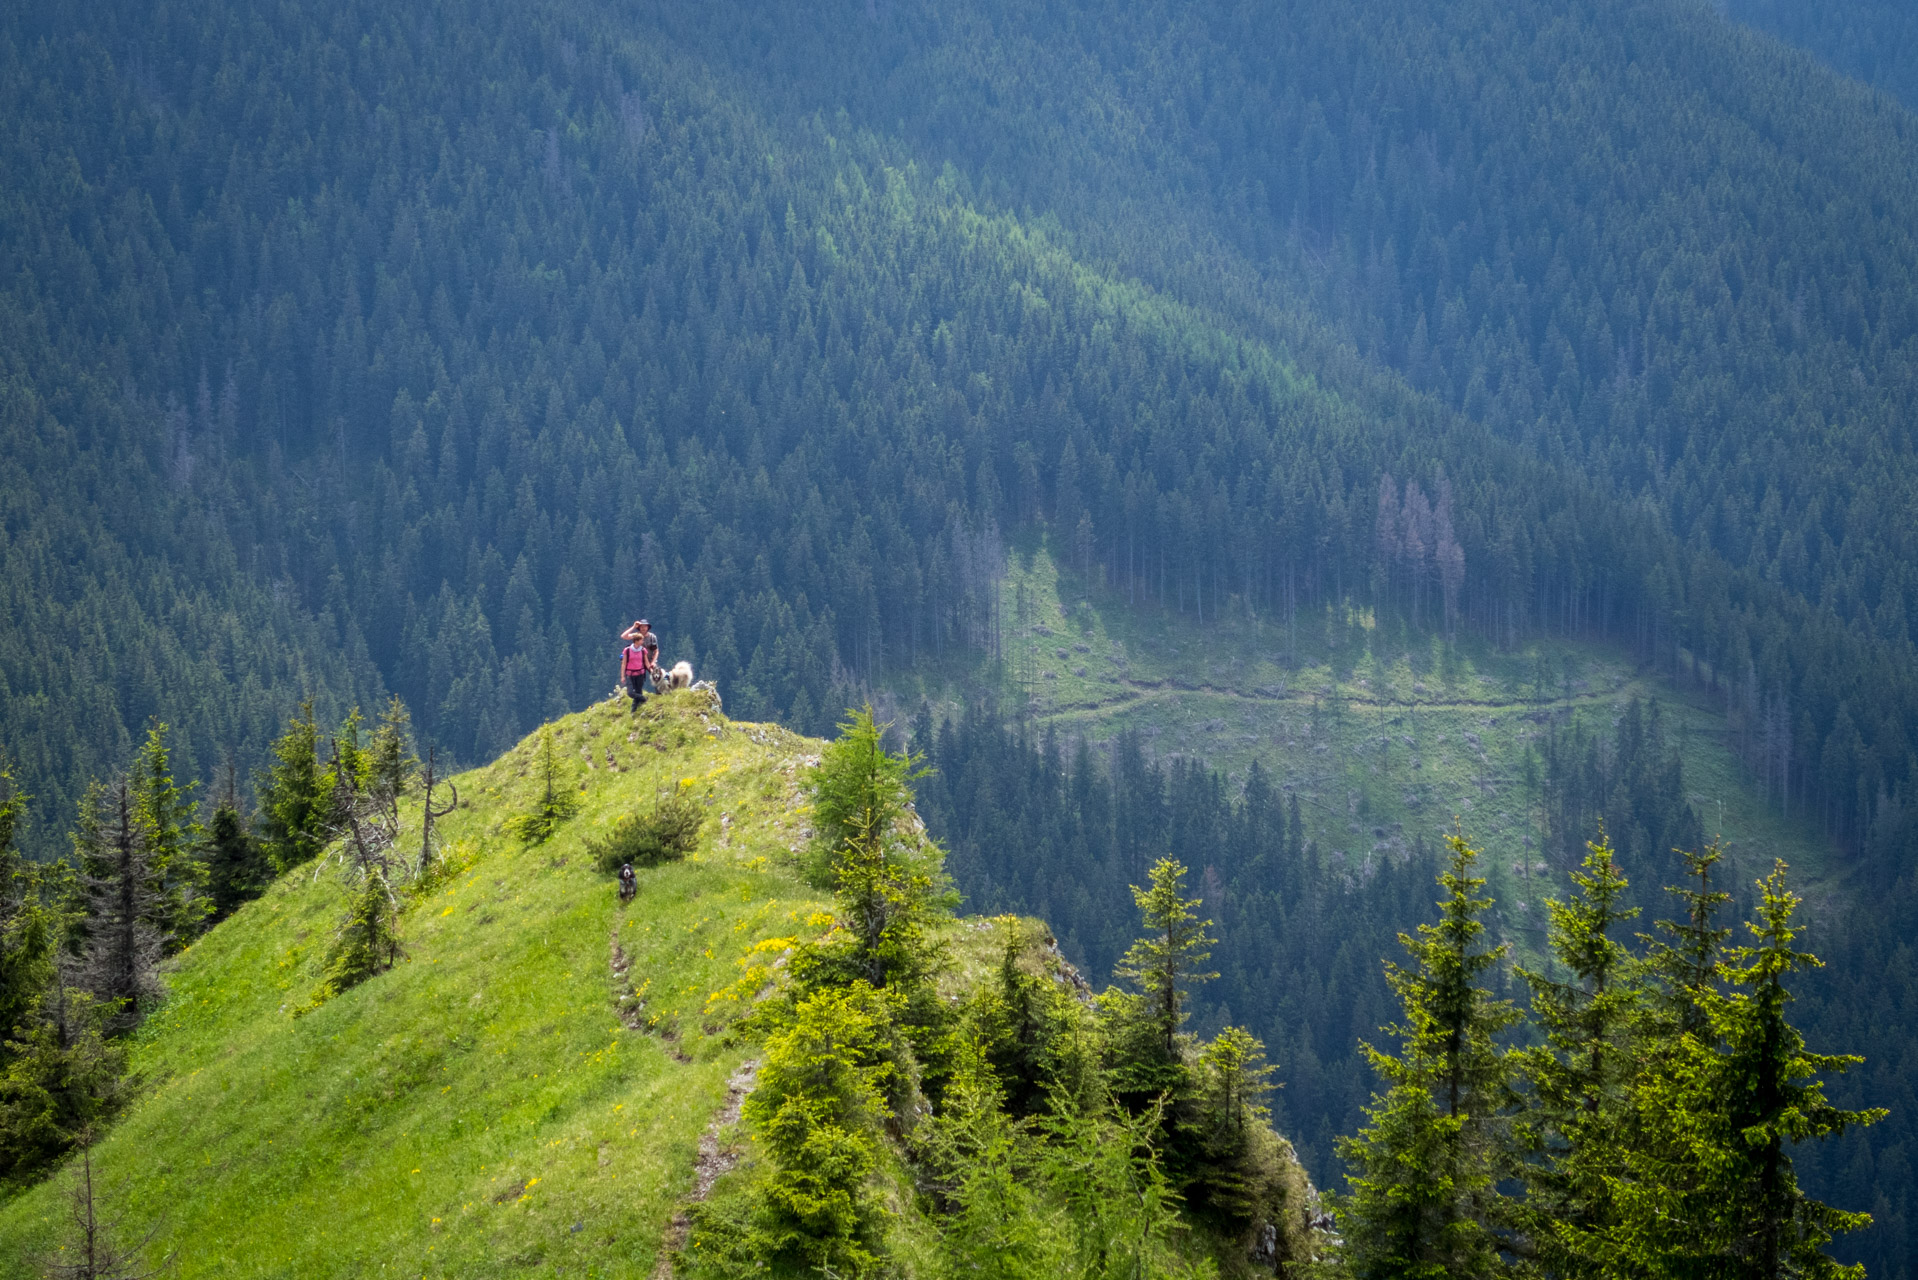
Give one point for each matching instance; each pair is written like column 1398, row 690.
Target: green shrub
column 666, row 834
column 818, row 1111
column 368, row 942
column 60, row 1076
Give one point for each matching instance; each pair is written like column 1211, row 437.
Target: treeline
column 152, row 867
column 1646, row 1122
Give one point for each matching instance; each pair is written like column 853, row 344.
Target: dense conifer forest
column 264, row 284
column 367, row 351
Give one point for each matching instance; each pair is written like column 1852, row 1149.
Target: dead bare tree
column 368, row 783
column 365, row 822
column 92, row 1251
column 428, row 814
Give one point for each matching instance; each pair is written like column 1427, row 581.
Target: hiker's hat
column 642, row 623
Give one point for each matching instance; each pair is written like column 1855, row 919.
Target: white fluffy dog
column 680, row 677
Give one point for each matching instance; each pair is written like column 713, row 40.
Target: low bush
column 667, row 833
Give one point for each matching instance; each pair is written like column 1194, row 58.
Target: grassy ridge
column 481, row 1109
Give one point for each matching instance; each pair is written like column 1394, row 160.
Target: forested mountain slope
column 1530, row 211
column 123, row 592
column 465, row 387
column 1627, row 232
column 475, row 365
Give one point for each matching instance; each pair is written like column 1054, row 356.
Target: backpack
column 635, row 659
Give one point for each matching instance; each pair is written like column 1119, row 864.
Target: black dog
column 628, row 883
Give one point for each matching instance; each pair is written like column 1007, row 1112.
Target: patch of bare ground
column 717, row 1156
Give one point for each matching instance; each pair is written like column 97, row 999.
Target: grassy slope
column 480, row 1109
column 1382, row 741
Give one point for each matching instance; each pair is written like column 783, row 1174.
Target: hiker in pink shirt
column 636, row 660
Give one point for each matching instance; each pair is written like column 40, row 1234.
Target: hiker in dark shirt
column 636, row 660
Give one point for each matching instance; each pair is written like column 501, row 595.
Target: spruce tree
column 556, row 802
column 1222, row 1129
column 1709, row 1189
column 1424, row 1200
column 978, row 1159
column 296, row 794
column 27, row 933
column 171, row 836
column 391, row 765
column 368, row 941
column 57, row 1072
column 1580, row 1077
column 350, row 764
column 860, row 792
column 1120, row 1206
column 123, row 946
column 1143, row 1026
column 62, row 1075
column 237, row 866
column 1019, row 1027
column 885, row 877
column 13, row 815
column 1687, row 967
column 362, row 808
column 818, row 1108
column 1234, row 1075
column 363, row 783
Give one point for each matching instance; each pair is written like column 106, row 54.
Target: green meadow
column 1385, row 734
